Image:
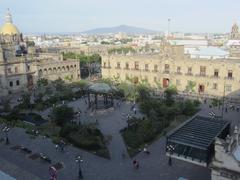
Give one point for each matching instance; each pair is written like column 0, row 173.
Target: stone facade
column 214, row 77
column 21, row 66
column 226, row 162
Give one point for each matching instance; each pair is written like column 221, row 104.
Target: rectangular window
column 146, row 67
column 127, row 66
column 9, row 70
column 215, row 72
column 118, row 65
column 167, row 68
column 202, row 70
column 16, row 69
column 228, row 88
column 189, row 70
column 104, row 64
column 28, row 68
column 17, row 83
column 155, row 79
column 230, row 74
column 178, row 82
column 11, row 84
column 178, row 69
column 215, row 86
column 155, row 68
column 136, row 65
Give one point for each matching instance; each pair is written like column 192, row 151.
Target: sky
column 45, row 16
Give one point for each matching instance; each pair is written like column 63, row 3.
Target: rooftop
column 199, row 132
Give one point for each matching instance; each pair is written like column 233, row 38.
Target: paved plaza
column 152, row 167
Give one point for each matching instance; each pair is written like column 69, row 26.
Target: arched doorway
column 165, row 82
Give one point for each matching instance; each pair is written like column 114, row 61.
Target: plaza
column 110, row 122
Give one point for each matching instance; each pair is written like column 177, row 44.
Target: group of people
column 135, row 162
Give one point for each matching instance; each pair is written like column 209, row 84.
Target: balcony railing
column 215, row 77
column 135, row 69
column 178, row 73
column 166, row 72
column 188, row 74
column 201, row 75
column 229, row 78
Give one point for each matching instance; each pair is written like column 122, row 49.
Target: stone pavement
column 152, row 167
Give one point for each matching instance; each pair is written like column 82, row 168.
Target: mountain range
column 122, row 28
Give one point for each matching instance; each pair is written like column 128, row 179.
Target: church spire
column 8, row 17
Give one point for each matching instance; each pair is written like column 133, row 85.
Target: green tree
column 191, row 86
column 26, row 100
column 42, row 82
column 169, row 93
column 62, row 114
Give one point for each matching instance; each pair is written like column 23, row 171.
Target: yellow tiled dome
column 9, row 29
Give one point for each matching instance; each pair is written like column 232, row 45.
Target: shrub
column 62, row 114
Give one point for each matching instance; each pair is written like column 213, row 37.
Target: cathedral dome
column 9, row 28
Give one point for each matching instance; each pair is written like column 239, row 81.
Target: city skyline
column 69, row 16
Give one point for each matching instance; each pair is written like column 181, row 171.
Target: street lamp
column 170, row 149
column 6, row 130
column 79, row 161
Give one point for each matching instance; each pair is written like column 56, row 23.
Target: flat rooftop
column 199, row 132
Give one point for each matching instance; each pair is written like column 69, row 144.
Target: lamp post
column 6, row 130
column 79, row 161
column 170, row 149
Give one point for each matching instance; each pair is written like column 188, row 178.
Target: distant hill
column 122, row 28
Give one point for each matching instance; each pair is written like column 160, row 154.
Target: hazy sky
column 80, row 15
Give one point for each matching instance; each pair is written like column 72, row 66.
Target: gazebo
column 103, row 96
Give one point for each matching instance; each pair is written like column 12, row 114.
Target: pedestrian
column 135, row 110
column 135, row 164
column 56, row 147
column 226, row 109
column 85, row 101
column 145, row 150
column 237, row 108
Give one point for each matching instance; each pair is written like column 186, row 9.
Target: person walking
column 145, row 150
column 135, row 164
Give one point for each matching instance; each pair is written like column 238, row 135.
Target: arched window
column 45, row 71
column 40, row 73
